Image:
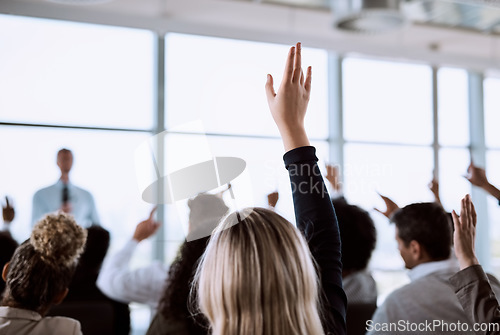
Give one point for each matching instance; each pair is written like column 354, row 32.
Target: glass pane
column 401, row 173
column 264, row 173
column 66, row 73
column 492, row 111
column 387, row 102
column 453, row 107
column 221, row 82
column 103, row 164
column 453, row 186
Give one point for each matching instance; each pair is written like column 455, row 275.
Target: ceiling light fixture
column 367, row 16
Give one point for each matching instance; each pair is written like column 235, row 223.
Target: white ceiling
column 276, row 23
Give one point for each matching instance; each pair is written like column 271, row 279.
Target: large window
column 66, row 75
column 92, row 89
column 388, row 132
column 216, row 99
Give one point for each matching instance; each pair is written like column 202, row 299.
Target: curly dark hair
column 175, row 300
column 357, row 233
column 42, row 266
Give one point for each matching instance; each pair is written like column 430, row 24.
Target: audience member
column 472, row 286
column 65, row 196
column 174, row 316
column 424, row 237
column 257, row 274
column 83, row 287
column 143, row 285
column 359, row 237
column 477, row 177
column 148, row 284
column 38, row 277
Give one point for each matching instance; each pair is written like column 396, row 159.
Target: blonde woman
column 258, row 275
column 38, row 277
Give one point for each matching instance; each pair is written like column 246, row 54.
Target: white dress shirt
column 16, row 321
column 49, row 199
column 144, row 285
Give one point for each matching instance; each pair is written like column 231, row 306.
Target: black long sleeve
column 317, row 221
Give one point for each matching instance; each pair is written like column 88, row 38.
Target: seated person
column 424, row 237
column 359, row 237
column 83, row 287
column 174, row 316
column 38, row 276
column 146, row 285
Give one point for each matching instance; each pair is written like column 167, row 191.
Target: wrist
column 294, row 138
column 467, row 261
column 492, row 190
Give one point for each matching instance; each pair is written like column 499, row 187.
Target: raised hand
column 333, row 176
column 8, row 212
column 434, row 187
column 390, row 205
column 476, row 176
column 465, row 233
column 288, row 106
column 146, row 228
column 272, row 199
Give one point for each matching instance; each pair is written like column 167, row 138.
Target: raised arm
column 391, row 207
column 471, row 284
column 143, row 285
column 313, row 208
column 477, row 177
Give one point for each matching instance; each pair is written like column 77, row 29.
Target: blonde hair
column 257, row 277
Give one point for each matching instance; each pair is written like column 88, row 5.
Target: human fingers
column 270, row 93
column 308, row 79
column 288, row 75
column 152, row 212
column 297, row 64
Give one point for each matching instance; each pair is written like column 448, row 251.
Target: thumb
column 270, row 88
column 152, row 212
column 456, row 219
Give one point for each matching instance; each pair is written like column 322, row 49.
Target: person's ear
column 416, row 250
column 60, row 297
column 5, row 271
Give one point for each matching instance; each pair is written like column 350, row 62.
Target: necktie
column 65, row 194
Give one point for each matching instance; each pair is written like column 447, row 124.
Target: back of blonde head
column 257, row 277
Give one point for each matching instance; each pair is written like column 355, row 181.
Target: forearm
column 113, row 270
column 492, row 190
column 294, row 138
